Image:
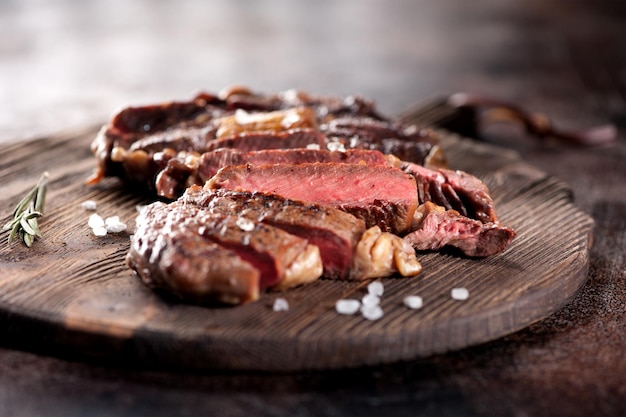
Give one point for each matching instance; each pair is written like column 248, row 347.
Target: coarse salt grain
column 244, row 224
column 335, row 146
column 347, row 306
column 89, row 205
column 280, row 304
column 99, row 231
column 459, row 293
column 370, row 300
column 95, row 221
column 372, row 313
column 413, row 301
column 313, row 146
column 376, row 288
column 114, row 225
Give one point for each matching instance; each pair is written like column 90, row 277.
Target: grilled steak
column 167, row 254
column 454, row 190
column 340, row 237
column 254, row 241
column 382, row 196
column 435, row 228
column 139, row 141
column 273, row 191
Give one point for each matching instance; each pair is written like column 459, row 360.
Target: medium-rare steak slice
column 436, row 227
column 211, row 162
column 348, row 251
column 382, row 196
column 186, row 169
column 333, row 231
column 168, row 256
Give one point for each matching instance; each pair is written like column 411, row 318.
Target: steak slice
column 454, row 190
column 334, row 232
column 436, row 227
column 211, row 162
column 380, row 195
column 166, row 255
column 348, row 251
column 252, row 141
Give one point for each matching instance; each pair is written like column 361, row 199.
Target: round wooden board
column 73, row 292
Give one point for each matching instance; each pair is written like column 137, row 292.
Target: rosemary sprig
column 30, row 208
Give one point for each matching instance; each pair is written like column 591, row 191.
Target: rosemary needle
column 29, row 209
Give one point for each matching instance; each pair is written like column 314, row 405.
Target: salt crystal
column 140, row 207
column 89, row 205
column 280, row 304
column 116, row 227
column 112, row 220
column 313, row 146
column 372, row 313
column 370, row 300
column 335, row 146
column 244, row 224
column 413, row 301
column 459, row 293
column 347, row 306
column 376, row 288
column 99, row 231
column 95, row 221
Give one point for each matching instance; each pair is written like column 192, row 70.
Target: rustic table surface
column 64, row 65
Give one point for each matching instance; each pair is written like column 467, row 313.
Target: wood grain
column 73, row 290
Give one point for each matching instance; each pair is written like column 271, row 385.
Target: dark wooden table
column 66, row 64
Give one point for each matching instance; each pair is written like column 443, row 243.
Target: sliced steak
column 333, row 231
column 454, row 190
column 166, row 255
column 211, row 162
column 380, row 195
column 252, row 141
column 136, row 137
column 436, row 227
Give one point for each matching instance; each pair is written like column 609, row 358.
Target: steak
column 183, row 170
column 347, row 249
column 276, row 258
column 228, row 246
column 333, row 231
column 166, row 254
column 454, row 190
column 436, row 228
column 382, row 196
column 133, row 144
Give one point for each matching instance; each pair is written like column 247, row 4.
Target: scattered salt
column 99, row 231
column 140, row 207
column 89, row 205
column 95, row 221
column 280, row 304
column 244, row 224
column 376, row 288
column 372, row 313
column 335, row 146
column 370, row 300
column 313, row 146
column 413, row 301
column 112, row 220
column 459, row 293
column 347, row 306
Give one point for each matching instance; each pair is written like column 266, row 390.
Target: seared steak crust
column 167, row 253
column 333, row 231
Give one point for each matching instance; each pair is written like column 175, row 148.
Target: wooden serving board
column 72, row 292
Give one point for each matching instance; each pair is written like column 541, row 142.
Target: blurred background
column 65, row 64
